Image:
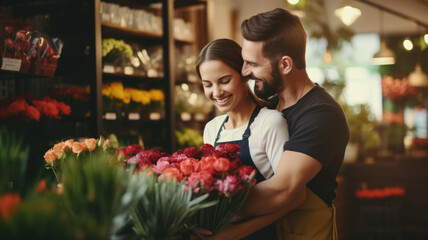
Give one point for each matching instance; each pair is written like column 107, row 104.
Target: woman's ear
column 285, row 65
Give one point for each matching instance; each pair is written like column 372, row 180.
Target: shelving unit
column 78, row 23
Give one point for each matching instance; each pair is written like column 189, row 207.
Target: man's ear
column 285, row 65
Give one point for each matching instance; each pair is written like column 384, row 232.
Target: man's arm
column 294, row 171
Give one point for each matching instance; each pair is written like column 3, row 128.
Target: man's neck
column 296, row 86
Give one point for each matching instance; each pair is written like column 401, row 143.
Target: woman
column 258, row 130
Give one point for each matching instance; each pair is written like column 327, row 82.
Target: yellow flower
column 140, row 96
column 157, row 95
column 117, row 90
column 126, row 95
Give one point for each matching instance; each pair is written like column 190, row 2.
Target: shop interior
column 125, row 70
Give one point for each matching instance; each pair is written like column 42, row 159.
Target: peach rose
column 59, row 149
column 170, row 173
column 50, row 156
column 90, row 144
column 69, row 144
column 78, row 147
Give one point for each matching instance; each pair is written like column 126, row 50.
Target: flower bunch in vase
column 217, row 172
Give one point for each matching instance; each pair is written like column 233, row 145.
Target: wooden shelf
column 109, row 27
column 114, row 28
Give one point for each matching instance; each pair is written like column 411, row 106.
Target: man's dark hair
column 282, row 33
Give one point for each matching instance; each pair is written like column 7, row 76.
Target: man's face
column 268, row 80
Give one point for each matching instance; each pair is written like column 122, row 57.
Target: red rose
column 227, row 150
column 187, row 166
column 132, row 150
column 235, row 164
column 64, row 108
column 221, row 164
column 32, row 113
column 191, row 152
column 8, row 203
column 17, row 106
column 207, row 164
column 207, row 150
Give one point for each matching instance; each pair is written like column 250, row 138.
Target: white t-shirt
column 269, row 131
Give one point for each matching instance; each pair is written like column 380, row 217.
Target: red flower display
column 216, row 171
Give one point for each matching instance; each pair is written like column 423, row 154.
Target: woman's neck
column 241, row 116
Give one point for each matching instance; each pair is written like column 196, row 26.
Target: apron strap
column 247, row 131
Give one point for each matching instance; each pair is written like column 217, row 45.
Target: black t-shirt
column 318, row 128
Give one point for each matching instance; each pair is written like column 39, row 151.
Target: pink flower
column 246, row 172
column 221, row 164
column 78, row 147
column 106, row 142
column 160, row 166
column 200, row 180
column 50, row 156
column 229, row 186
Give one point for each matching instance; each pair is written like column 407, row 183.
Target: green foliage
column 93, row 189
column 188, row 137
column 13, row 161
column 113, row 49
column 164, row 209
column 362, row 126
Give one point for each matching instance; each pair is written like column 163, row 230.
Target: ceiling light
column 347, row 13
column 293, row 2
column 385, row 56
column 407, row 44
column 418, row 78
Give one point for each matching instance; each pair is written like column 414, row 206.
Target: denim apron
column 268, row 232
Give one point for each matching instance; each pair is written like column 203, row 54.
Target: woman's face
column 223, row 85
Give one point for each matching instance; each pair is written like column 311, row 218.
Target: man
column 274, row 56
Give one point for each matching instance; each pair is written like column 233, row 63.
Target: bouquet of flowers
column 207, row 170
column 45, row 52
column 57, row 158
column 16, row 55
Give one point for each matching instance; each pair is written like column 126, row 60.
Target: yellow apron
column 313, row 220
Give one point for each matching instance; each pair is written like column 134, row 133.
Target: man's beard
column 268, row 89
